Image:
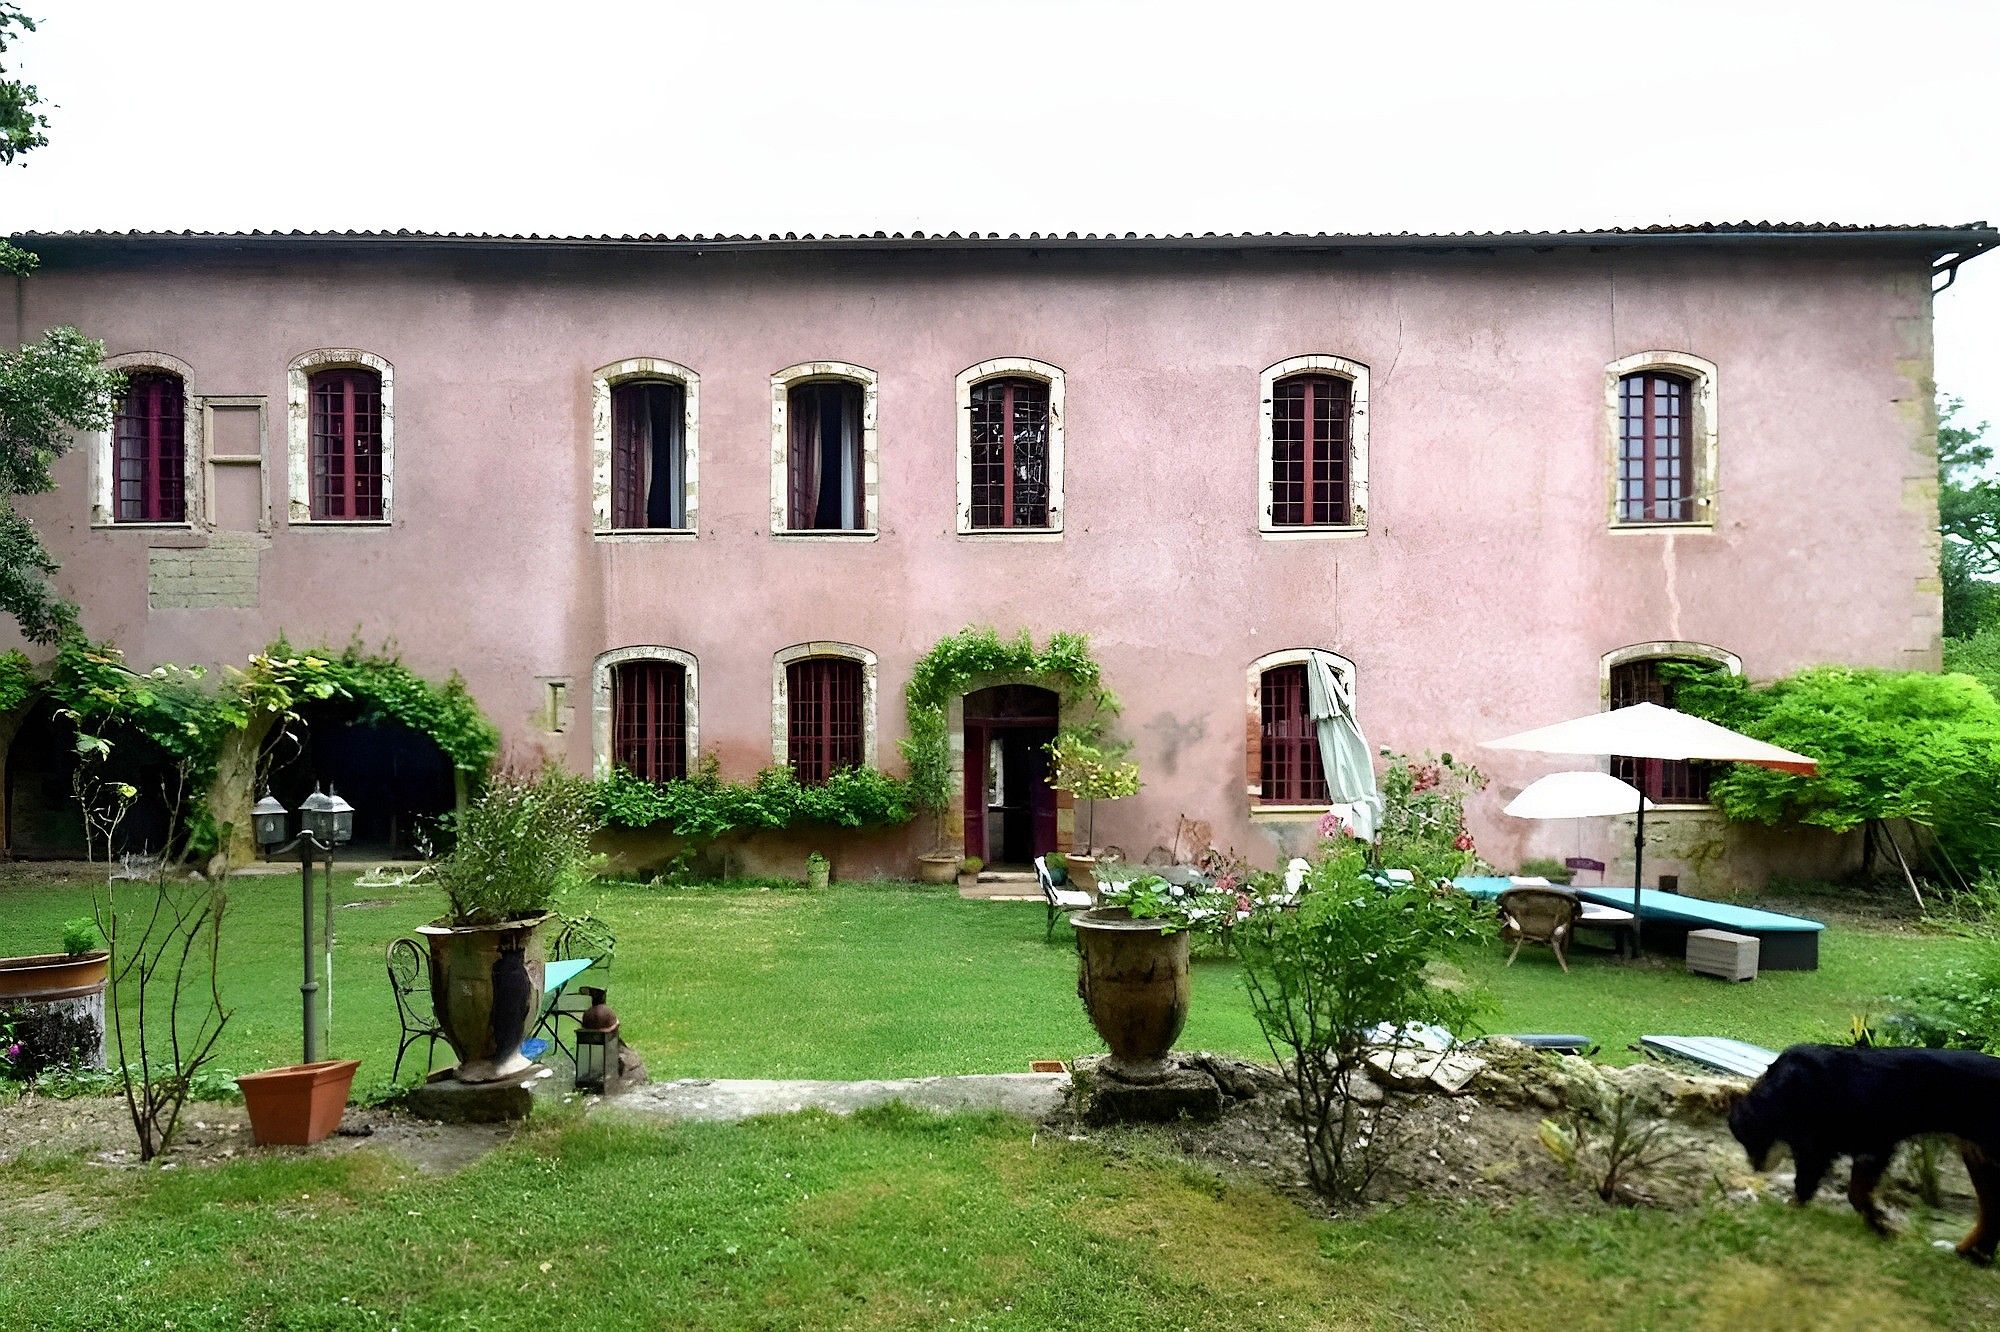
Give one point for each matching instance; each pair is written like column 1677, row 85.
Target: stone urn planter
column 486, row 985
column 1133, row 979
column 70, row 983
column 938, row 867
column 298, row 1105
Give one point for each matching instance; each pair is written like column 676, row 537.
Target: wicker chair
column 410, row 983
column 1539, row 915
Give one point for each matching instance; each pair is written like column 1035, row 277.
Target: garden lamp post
column 328, row 822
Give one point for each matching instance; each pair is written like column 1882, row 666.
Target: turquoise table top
column 1659, row 905
column 557, row 975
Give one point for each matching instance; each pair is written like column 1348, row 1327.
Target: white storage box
column 1722, row 953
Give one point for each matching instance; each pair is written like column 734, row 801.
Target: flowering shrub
column 1091, row 772
column 1423, row 814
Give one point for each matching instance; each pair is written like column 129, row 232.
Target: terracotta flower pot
column 1082, row 873
column 45, row 976
column 942, row 868
column 1133, row 979
column 486, row 985
column 299, row 1105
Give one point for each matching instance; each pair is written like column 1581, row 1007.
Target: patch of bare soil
column 98, row 1129
column 1491, row 1142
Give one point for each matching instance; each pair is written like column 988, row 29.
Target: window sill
column 97, row 526
column 1652, row 810
column 1271, row 811
column 826, row 534
column 1329, row 533
column 338, row 522
column 1010, row 533
column 642, row 534
column 1627, row 529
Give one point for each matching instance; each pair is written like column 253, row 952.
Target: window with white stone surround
column 645, row 449
column 633, row 722
column 824, row 471
column 340, row 438
column 1659, row 423
column 822, row 708
column 146, row 470
column 1010, row 448
column 1312, row 458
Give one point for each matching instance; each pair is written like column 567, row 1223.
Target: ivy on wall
column 279, row 679
column 17, row 681
column 704, row 806
column 948, row 670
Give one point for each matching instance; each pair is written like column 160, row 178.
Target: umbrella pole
column 1638, row 876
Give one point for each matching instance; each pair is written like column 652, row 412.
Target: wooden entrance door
column 1010, row 809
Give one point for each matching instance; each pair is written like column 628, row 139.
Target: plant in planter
column 1058, row 865
column 519, row 847
column 1090, row 772
column 1132, row 971
column 819, row 870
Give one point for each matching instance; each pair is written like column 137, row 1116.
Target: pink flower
column 1242, row 901
column 14, row 1053
column 1225, row 883
column 1332, row 824
column 1463, row 841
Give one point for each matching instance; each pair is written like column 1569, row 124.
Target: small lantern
column 343, row 818
column 597, row 1045
column 328, row 818
column 268, row 817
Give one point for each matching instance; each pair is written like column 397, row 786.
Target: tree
column 49, row 390
column 1968, row 524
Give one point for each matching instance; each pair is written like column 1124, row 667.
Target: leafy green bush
column 1907, row 745
column 17, row 680
column 1354, row 954
column 1545, row 867
column 81, row 935
column 519, row 847
column 1958, row 1009
column 1423, row 812
column 704, row 806
column 1976, row 655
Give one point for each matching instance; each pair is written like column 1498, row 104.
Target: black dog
column 1828, row 1101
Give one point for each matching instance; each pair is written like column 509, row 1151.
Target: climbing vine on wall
column 17, row 680
column 704, row 806
column 948, row 670
column 278, row 680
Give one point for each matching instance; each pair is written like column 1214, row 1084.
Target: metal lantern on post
column 328, row 821
column 597, row 1045
column 268, row 817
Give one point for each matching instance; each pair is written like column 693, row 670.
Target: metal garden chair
column 410, row 983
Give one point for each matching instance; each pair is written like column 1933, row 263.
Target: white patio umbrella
column 1647, row 730
column 1576, row 795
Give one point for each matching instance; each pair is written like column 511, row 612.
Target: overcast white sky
column 1090, row 115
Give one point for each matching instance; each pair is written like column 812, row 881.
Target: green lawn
column 897, row 1219
column 872, row 980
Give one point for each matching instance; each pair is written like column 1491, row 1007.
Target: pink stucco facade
column 1484, row 597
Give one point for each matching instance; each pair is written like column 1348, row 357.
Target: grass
column 897, row 1219
column 877, row 980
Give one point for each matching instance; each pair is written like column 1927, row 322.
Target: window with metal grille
column 1289, row 771
column 149, row 478
column 1655, row 448
column 648, row 455
column 1310, row 458
column 649, row 719
column 823, row 717
column 346, row 442
column 1010, row 453
column 824, row 461
column 1669, row 781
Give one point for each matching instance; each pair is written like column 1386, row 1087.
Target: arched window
column 644, row 448
column 1283, row 753
column 643, row 711
column 1010, row 447
column 823, row 714
column 823, row 471
column 1634, row 675
column 1315, row 447
column 149, row 449
column 341, row 446
column 1662, row 413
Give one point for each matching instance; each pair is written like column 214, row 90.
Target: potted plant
column 968, row 871
column 1132, row 972
column 1090, row 772
column 1058, row 864
column 519, row 847
column 77, row 972
column 818, row 870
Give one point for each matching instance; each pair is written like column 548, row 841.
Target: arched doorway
column 44, row 821
column 1010, row 808
column 398, row 780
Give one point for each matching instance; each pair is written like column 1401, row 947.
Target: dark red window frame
column 1010, row 453
column 1312, row 460
column 649, row 719
column 1668, row 781
column 823, row 717
column 1655, row 448
column 810, row 409
column 1289, row 768
column 648, row 455
column 346, row 433
column 150, row 456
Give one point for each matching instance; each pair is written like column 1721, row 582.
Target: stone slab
column 450, row 1101
column 1034, row 1095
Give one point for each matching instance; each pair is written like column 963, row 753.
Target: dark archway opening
column 398, row 780
column 44, row 821
column 1010, row 808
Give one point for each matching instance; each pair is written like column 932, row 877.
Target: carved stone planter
column 938, row 868
column 1133, row 979
column 486, row 984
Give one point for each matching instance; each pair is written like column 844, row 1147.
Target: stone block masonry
column 223, row 573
